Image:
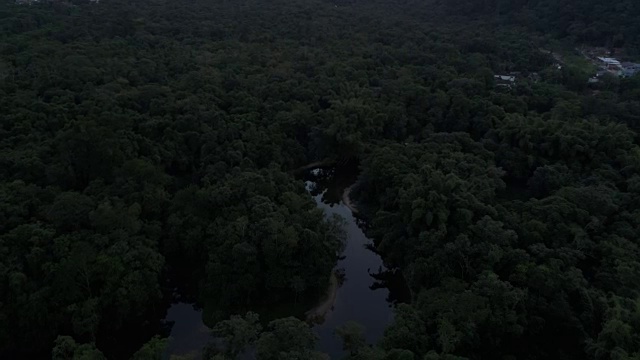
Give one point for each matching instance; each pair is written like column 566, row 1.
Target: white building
column 611, row 65
column 609, row 61
column 507, row 78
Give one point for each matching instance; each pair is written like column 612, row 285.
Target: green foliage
column 288, row 339
column 612, row 24
column 351, row 334
column 506, row 258
column 354, row 343
column 140, row 140
column 238, row 333
column 67, row 349
column 152, row 350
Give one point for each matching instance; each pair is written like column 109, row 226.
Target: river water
column 367, row 293
column 362, row 296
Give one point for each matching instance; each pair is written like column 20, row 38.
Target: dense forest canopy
column 153, row 140
column 613, row 23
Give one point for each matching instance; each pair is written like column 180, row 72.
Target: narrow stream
column 367, row 292
column 369, row 289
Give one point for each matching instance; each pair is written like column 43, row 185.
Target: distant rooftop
column 609, row 61
column 510, row 78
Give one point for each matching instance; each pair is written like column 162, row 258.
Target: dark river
column 367, row 292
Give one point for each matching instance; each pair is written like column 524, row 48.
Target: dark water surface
column 188, row 333
column 366, row 295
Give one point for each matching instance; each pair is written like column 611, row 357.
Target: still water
column 188, row 333
column 367, row 292
column 362, row 297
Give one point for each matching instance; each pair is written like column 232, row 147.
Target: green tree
column 289, row 339
column 238, row 333
column 151, row 350
column 66, row 348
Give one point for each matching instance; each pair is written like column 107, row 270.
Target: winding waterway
column 361, row 297
column 366, row 293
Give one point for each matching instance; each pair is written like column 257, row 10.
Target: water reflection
column 368, row 289
column 329, row 183
column 189, row 335
column 392, row 280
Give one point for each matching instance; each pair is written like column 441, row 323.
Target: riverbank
column 346, row 200
column 317, row 314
